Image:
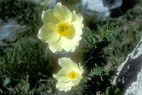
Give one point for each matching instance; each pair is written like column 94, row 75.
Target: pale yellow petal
column 47, row 33
column 48, row 17
column 67, row 14
column 76, row 82
column 67, row 63
column 78, row 18
column 56, row 46
column 77, row 23
column 72, row 33
column 61, row 75
column 78, row 29
column 58, row 12
column 62, row 13
column 71, row 44
column 81, row 69
column 64, row 86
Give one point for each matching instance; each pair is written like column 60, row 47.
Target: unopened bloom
column 62, row 28
column 69, row 76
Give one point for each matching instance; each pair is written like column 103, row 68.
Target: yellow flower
column 69, row 76
column 62, row 28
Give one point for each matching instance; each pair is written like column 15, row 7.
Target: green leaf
column 6, row 81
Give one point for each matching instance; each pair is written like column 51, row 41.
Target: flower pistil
column 63, row 28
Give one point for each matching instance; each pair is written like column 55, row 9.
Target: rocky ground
column 27, row 65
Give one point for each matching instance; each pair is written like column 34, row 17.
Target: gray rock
column 2, row 44
column 129, row 75
column 51, row 3
column 100, row 6
column 9, row 30
column 112, row 4
column 136, row 87
column 34, row 1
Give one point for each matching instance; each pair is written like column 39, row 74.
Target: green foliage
column 24, row 61
column 94, row 42
column 23, row 12
column 112, row 91
column 95, row 58
column 103, row 50
column 10, row 8
column 134, row 13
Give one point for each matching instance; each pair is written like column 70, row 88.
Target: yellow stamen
column 72, row 75
column 63, row 28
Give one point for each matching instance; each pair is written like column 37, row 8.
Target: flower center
column 63, row 28
column 72, row 75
